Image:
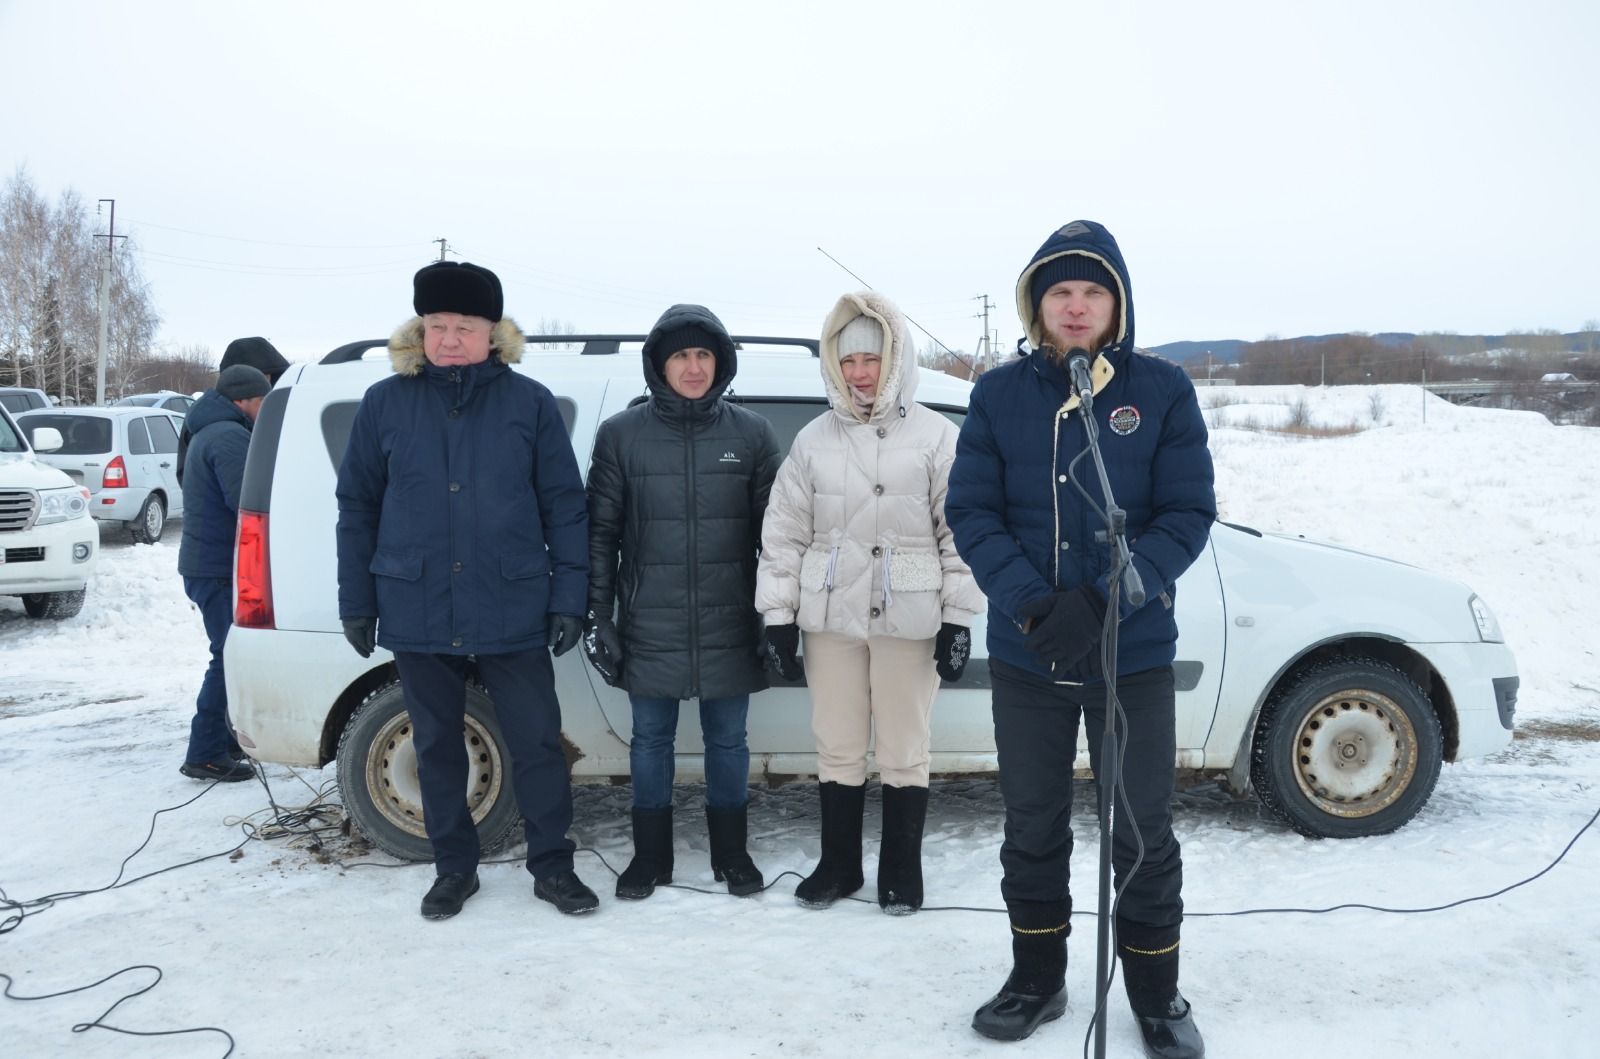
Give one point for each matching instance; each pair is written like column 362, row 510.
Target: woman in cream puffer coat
column 855, row 552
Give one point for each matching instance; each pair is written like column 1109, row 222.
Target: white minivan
column 1334, row 683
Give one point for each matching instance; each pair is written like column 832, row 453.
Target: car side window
column 138, row 438
column 163, row 437
column 789, row 415
column 338, row 417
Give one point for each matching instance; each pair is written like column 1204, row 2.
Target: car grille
column 17, row 509
column 24, row 555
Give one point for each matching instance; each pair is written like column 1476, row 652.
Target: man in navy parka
column 1029, row 538
column 463, row 533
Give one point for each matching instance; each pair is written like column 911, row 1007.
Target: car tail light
column 253, row 573
column 116, row 476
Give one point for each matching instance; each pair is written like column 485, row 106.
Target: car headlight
column 1488, row 627
column 62, row 505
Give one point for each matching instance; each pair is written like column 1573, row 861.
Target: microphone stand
column 1126, row 579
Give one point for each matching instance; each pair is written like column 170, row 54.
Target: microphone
column 1082, row 380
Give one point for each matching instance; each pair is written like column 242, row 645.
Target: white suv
column 1331, row 681
column 48, row 543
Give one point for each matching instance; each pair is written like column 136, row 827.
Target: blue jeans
column 210, row 736
column 650, row 754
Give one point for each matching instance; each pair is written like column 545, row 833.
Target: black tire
column 1346, row 748
column 147, row 526
column 55, row 606
column 377, row 769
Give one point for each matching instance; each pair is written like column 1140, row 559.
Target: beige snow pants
column 882, row 685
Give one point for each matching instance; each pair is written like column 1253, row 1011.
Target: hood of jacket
column 1090, row 239
column 213, row 408
column 256, row 352
column 897, row 372
column 408, row 358
column 664, row 398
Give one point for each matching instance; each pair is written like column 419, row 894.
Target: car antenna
column 972, row 371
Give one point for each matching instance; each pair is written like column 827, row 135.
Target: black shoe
column 1012, row 1016
column 730, row 861
column 652, row 855
column 447, row 894
column 566, row 891
column 1174, row 1034
column 838, row 873
column 223, row 770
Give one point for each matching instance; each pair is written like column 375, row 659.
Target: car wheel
column 377, row 766
column 54, row 605
column 1346, row 748
column 151, row 520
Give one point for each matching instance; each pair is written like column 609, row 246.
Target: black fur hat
column 457, row 287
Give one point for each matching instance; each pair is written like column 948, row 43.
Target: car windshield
column 136, row 400
column 9, row 442
column 83, row 435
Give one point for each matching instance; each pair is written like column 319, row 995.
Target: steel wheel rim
column 1355, row 753
column 392, row 782
column 153, row 518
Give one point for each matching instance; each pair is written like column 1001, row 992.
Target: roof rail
column 593, row 345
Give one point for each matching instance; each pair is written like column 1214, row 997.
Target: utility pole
column 111, row 238
column 1208, row 367
column 1424, row 387
column 1324, row 381
column 444, row 246
column 986, row 348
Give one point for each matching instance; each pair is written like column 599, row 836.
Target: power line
column 270, row 242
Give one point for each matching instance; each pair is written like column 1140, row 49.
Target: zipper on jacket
column 692, row 524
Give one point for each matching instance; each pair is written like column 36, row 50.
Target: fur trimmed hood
column 405, row 345
column 897, row 377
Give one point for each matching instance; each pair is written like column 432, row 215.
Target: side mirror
column 46, row 439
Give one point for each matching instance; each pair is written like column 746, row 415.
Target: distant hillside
column 1226, row 350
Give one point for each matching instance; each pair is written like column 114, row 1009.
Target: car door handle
column 166, row 465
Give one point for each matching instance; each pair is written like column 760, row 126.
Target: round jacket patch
column 1124, row 420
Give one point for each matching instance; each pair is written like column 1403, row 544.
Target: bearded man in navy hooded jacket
column 1029, row 537
column 463, row 535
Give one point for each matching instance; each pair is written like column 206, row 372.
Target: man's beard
column 1060, row 344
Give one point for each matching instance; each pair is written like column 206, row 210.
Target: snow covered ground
column 297, row 953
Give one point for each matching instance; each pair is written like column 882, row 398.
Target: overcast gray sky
column 1268, row 167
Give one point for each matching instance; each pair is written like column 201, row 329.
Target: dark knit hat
column 690, row 336
column 242, row 382
column 457, row 287
column 256, row 352
column 1065, row 267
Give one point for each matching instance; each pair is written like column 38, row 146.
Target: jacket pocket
column 525, row 595
column 814, row 569
column 817, row 571
column 911, row 603
column 402, row 603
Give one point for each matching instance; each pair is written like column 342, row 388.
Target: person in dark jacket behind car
column 677, row 487
column 221, row 421
column 463, row 535
column 1029, row 537
column 257, row 353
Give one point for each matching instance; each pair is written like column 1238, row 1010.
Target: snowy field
column 299, row 953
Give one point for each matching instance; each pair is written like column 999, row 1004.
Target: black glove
column 780, row 645
column 604, row 649
column 362, row 634
column 565, row 632
column 1065, row 626
column 951, row 651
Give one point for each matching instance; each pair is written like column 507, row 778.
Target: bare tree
column 49, row 287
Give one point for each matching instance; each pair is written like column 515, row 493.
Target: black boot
column 838, row 873
column 1149, row 958
column 905, row 809
column 652, row 855
column 730, row 860
column 1036, row 990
